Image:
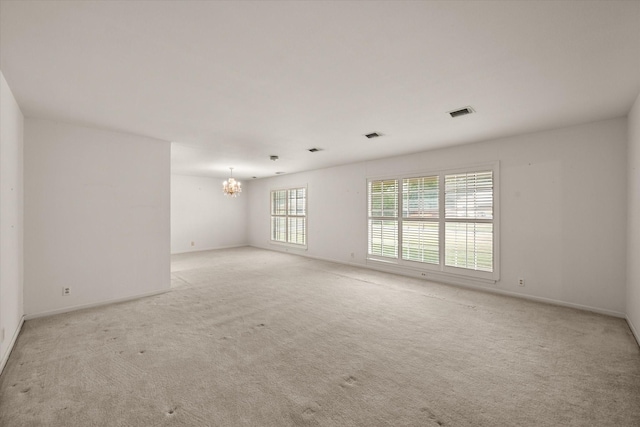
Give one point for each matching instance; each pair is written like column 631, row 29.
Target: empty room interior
column 319, row 213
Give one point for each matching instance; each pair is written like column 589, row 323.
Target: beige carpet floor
column 249, row 337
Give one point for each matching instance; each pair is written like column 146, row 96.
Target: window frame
column 287, row 216
column 440, row 269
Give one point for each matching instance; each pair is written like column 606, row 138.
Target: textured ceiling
column 231, row 83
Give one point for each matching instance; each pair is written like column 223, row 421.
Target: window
column 420, row 219
column 469, row 220
column 443, row 221
column 383, row 218
column 289, row 216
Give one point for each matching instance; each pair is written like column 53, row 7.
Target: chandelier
column 231, row 187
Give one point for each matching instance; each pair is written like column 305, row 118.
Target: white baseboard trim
column 14, row 338
column 93, row 304
column 209, row 249
column 461, row 282
column 634, row 331
column 561, row 303
column 467, row 283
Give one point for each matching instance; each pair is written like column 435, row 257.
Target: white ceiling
column 234, row 82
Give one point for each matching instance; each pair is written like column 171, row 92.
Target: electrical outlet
column 521, row 282
column 66, row 291
column 353, row 254
column 193, row 243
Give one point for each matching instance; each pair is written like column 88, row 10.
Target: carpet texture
column 249, row 337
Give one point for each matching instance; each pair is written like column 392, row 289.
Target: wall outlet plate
column 66, row 291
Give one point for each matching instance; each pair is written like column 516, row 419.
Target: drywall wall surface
column 96, row 216
column 11, row 214
column 562, row 210
column 633, row 220
column 336, row 211
column 203, row 218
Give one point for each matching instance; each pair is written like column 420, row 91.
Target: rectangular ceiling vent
column 462, row 112
column 373, row 135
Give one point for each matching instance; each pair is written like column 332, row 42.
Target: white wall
column 563, row 210
column 633, row 218
column 202, row 214
column 11, row 211
column 96, row 216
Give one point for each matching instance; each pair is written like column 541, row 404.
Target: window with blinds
column 289, row 216
column 420, row 219
column 442, row 222
column 383, row 218
column 469, row 220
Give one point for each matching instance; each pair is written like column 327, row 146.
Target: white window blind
column 469, row 245
column 383, row 218
column 469, row 195
column 469, row 220
column 443, row 222
column 279, row 215
column 420, row 216
column 289, row 216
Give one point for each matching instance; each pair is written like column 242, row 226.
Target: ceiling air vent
column 373, row 135
column 462, row 112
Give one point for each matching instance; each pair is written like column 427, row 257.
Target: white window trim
column 441, row 270
column 306, row 222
